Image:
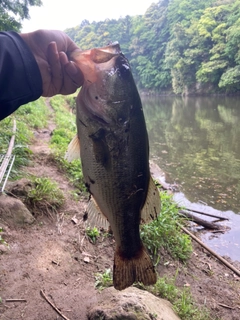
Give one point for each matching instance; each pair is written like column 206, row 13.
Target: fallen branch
column 225, row 262
column 207, row 214
column 200, row 221
column 225, row 306
column 53, row 306
column 16, row 300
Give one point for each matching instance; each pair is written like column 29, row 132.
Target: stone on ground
column 14, row 212
column 130, row 304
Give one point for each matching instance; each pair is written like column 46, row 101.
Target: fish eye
column 96, row 97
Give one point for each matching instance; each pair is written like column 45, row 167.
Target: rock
column 131, row 304
column 3, row 248
column 19, row 188
column 14, row 212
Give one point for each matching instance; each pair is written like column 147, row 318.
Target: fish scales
column 122, row 175
column 114, row 153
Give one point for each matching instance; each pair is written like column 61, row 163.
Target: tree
column 12, row 12
column 231, row 79
column 151, row 34
column 186, row 45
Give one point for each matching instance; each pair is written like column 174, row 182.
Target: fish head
column 108, row 83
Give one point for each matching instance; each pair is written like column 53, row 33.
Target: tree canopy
column 12, row 12
column 184, row 46
column 180, row 46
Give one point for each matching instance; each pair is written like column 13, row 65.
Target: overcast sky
column 57, row 14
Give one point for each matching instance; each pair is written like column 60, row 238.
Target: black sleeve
column 20, row 78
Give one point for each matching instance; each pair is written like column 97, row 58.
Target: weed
column 153, row 316
column 166, row 289
column 45, row 194
column 103, row 280
column 165, row 232
column 1, row 239
column 92, row 234
column 73, row 170
column 75, row 195
column 184, row 305
column 5, row 134
column 71, row 100
column 30, row 116
column 34, row 114
column 182, row 300
column 62, row 135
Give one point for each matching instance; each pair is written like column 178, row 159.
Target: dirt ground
column 50, row 254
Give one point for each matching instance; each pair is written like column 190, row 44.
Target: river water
column 196, row 142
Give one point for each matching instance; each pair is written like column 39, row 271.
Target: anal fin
column 95, row 217
column 152, row 205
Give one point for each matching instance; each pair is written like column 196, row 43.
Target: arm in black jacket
column 20, row 78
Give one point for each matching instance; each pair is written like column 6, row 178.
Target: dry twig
column 53, row 306
column 225, row 306
column 225, row 262
column 16, row 300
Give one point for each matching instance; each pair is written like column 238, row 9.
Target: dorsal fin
column 152, row 205
column 73, row 150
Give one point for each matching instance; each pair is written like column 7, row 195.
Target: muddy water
column 196, row 142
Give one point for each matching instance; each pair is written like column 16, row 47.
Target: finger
column 74, row 73
column 73, row 77
column 56, row 81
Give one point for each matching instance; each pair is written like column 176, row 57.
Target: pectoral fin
column 152, row 206
column 73, row 150
column 95, row 217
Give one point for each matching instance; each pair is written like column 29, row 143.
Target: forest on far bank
column 179, row 46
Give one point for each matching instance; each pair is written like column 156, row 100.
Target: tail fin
column 137, row 269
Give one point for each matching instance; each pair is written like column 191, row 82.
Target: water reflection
column 196, row 142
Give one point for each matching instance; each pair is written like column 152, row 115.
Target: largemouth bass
column 114, row 153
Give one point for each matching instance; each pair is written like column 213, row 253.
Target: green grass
column 44, row 195
column 34, row 114
column 165, row 232
column 93, row 234
column 182, row 300
column 62, row 136
column 28, row 117
column 2, row 241
column 103, row 280
column 5, row 134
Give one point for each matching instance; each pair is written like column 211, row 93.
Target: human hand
column 51, row 49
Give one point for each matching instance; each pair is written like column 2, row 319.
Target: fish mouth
column 96, row 55
column 103, row 70
column 105, row 54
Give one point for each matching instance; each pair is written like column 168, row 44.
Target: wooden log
column 207, row 214
column 225, row 262
column 204, row 223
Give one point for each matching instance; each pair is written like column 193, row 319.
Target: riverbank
column 53, row 254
